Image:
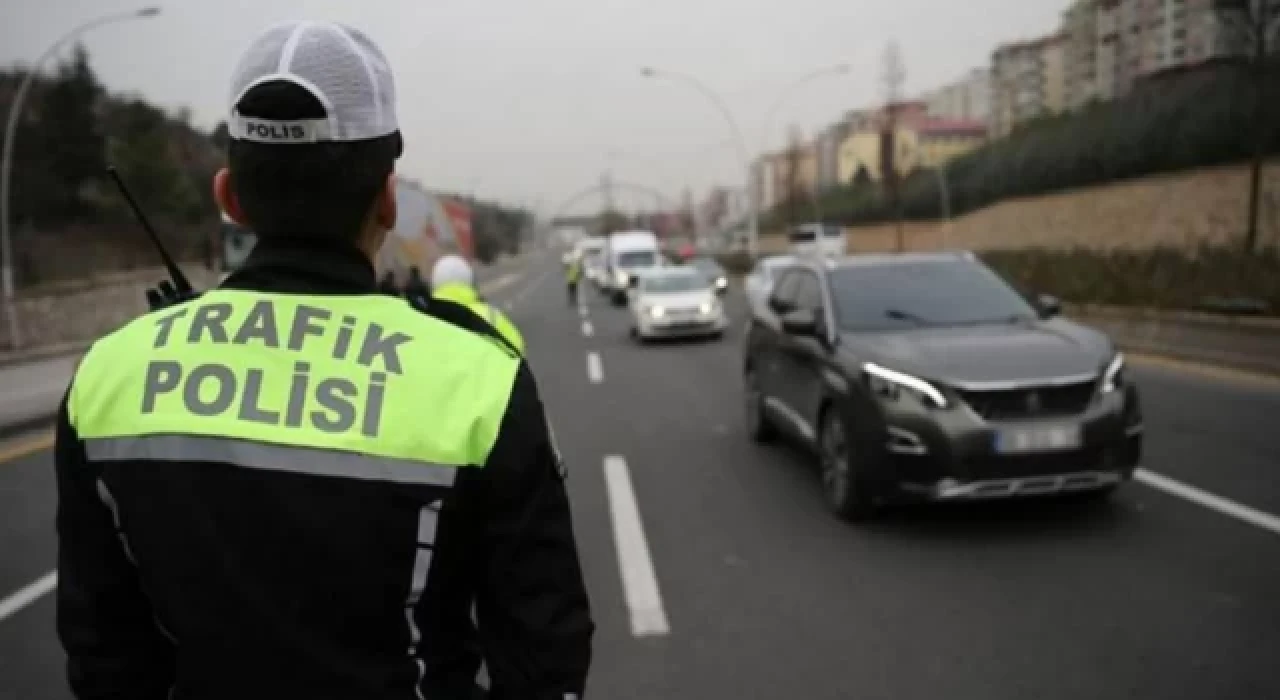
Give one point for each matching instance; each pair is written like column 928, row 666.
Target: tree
column 792, row 194
column 220, row 137
column 1250, row 25
column 895, row 74
column 70, row 132
column 611, row 221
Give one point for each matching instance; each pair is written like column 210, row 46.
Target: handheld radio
column 168, row 292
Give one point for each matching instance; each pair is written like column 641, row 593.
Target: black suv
column 928, row 377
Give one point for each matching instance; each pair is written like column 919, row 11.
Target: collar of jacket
column 299, row 264
column 458, row 292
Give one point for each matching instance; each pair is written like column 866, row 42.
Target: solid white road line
column 28, row 595
column 639, row 583
column 1253, row 516
column 587, row 330
column 595, row 371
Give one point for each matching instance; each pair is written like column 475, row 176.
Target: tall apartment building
column 1111, row 44
column 967, row 99
column 1028, row 80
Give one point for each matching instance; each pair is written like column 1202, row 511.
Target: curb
column 45, row 353
column 29, row 425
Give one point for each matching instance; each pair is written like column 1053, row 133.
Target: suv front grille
column 1032, row 402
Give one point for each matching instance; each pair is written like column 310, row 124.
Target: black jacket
column 232, row 583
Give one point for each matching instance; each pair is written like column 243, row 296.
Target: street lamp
column 753, row 231
column 785, row 95
column 6, row 161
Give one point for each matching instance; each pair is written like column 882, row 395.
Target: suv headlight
column 707, row 308
column 657, row 311
column 887, row 382
column 621, row 278
column 1113, row 376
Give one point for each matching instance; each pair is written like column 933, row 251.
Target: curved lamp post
column 753, row 231
column 6, row 164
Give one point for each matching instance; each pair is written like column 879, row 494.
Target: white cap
column 452, row 269
column 341, row 67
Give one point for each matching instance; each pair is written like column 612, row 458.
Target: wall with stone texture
column 1183, row 209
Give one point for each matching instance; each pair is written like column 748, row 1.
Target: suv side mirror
column 800, row 322
column 1049, row 305
column 633, row 281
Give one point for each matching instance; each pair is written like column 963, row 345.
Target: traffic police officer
column 294, row 486
column 453, row 279
column 572, row 276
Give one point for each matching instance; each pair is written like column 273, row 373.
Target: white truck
column 626, row 253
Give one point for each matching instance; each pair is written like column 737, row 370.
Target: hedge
column 1209, row 278
column 1192, row 119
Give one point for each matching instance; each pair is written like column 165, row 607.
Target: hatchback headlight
column 1113, row 376
column 887, row 382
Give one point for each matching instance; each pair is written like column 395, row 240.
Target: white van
column 817, row 239
column 625, row 254
column 590, row 251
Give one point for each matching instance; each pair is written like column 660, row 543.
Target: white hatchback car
column 679, row 301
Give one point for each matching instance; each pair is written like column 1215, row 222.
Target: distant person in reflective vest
column 453, row 279
column 416, row 286
column 573, row 275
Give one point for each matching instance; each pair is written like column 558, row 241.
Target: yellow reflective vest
column 249, row 377
column 467, row 296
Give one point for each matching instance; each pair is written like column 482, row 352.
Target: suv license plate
column 1038, row 439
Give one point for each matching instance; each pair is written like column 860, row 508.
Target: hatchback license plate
column 1038, row 439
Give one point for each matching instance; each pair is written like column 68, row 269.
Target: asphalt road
column 735, row 583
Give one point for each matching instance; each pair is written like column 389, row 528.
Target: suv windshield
column 673, row 282
column 637, row 258
column 923, row 293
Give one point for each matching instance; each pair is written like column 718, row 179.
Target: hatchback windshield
column 674, row 282
column 637, row 258
column 923, row 293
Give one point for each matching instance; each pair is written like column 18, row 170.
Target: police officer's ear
column 225, row 195
column 384, row 206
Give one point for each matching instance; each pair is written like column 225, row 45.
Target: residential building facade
column 967, row 99
column 1109, row 45
column 1028, row 81
column 827, row 146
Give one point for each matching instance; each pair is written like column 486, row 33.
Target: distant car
column 675, row 301
column 817, row 239
column 713, row 271
column 927, row 377
column 759, row 281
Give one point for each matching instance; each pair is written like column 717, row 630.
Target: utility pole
column 895, row 74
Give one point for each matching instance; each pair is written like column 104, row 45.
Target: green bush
column 1180, row 121
column 1208, row 278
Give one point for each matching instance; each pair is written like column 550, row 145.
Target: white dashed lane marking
column 639, row 582
column 29, row 594
column 587, row 330
column 595, row 370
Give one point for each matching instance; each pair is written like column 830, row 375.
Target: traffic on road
column 715, row 565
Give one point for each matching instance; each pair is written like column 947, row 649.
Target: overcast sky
column 531, row 100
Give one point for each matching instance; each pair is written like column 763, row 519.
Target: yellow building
column 920, row 143
column 940, row 141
